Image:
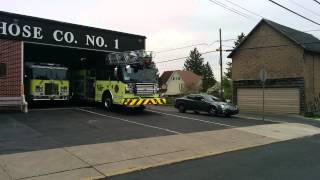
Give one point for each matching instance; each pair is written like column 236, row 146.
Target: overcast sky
column 170, row 24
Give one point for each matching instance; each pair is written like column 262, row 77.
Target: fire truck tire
column 107, row 101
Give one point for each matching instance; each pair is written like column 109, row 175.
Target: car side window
column 191, row 97
column 198, row 98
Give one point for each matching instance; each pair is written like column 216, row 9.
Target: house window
column 3, row 70
column 180, row 87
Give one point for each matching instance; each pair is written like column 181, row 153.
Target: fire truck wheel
column 107, row 102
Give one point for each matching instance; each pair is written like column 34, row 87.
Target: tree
column 240, row 38
column 228, row 74
column 227, row 88
column 208, row 79
column 194, row 62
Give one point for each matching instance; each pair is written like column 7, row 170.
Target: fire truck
column 127, row 78
column 46, row 81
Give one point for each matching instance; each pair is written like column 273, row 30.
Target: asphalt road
column 62, row 125
column 295, row 160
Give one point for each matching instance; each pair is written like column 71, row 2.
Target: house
column 292, row 61
column 179, row 82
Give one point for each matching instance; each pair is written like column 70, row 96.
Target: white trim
column 71, row 47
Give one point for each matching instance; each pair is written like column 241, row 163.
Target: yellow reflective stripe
column 146, row 101
column 164, row 101
column 153, row 101
column 133, row 102
column 140, row 102
column 126, row 101
column 159, row 101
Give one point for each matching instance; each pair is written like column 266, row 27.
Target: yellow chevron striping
column 159, row 101
column 146, row 101
column 133, row 102
column 153, row 101
column 139, row 102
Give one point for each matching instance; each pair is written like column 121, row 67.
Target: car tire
column 107, row 102
column 212, row 111
column 182, row 109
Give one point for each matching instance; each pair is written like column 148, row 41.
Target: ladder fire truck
column 127, row 78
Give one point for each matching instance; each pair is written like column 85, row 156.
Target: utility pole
column 220, row 61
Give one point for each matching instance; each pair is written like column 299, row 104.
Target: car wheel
column 107, row 102
column 212, row 111
column 182, row 109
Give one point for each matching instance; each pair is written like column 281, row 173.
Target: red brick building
column 292, row 61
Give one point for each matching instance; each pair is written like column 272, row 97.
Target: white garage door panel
column 277, row 100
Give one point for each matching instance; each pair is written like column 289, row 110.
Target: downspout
column 24, row 107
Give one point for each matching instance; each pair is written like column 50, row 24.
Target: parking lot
column 70, row 142
column 70, row 126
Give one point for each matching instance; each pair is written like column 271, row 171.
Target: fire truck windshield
column 140, row 75
column 44, row 73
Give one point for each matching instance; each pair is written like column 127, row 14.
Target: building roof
column 188, row 76
column 304, row 40
column 165, row 76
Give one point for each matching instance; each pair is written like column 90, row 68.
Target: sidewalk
column 108, row 159
column 290, row 118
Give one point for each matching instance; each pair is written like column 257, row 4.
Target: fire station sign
column 37, row 30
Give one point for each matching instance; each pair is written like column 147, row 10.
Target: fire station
column 25, row 39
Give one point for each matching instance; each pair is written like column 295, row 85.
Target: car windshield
column 212, row 98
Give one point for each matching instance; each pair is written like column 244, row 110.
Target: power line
column 307, row 9
column 228, row 50
column 180, row 58
column 183, row 47
column 213, row 42
column 244, row 9
column 230, row 9
column 293, row 12
column 316, row 1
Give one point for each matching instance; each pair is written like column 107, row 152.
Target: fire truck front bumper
column 134, row 102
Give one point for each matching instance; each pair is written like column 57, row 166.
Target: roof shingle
column 303, row 39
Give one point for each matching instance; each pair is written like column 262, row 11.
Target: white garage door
column 277, row 100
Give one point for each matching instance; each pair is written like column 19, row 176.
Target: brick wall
column 312, row 76
column 284, row 60
column 10, row 54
